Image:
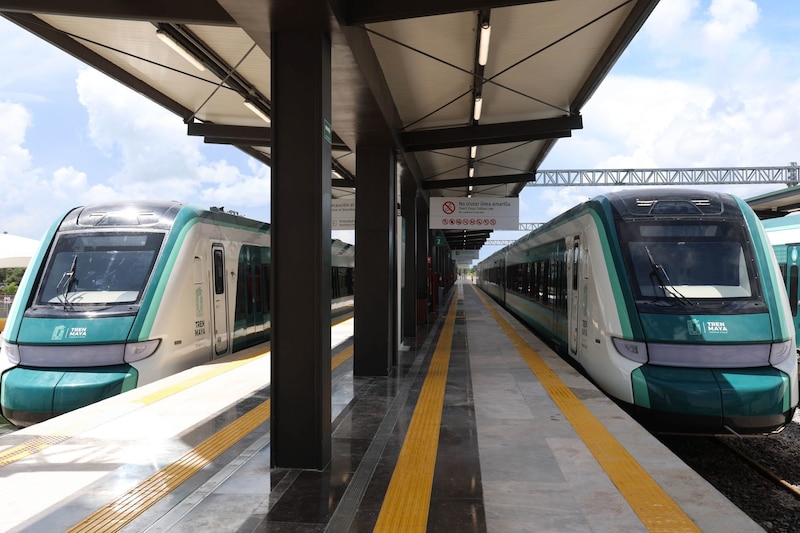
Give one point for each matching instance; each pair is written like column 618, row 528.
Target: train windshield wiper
column 660, row 275
column 67, row 280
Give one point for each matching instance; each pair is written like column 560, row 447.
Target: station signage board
column 343, row 213
column 474, row 213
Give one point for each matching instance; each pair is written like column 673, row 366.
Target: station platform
column 481, row 428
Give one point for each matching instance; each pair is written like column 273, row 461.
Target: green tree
column 10, row 279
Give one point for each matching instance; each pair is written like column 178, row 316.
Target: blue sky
column 704, row 83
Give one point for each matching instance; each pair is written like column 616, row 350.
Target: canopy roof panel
column 407, row 71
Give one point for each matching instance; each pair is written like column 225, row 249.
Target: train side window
column 793, row 289
column 575, row 256
column 198, row 270
column 219, row 272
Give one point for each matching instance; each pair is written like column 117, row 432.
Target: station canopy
column 15, row 251
column 777, row 203
column 462, row 122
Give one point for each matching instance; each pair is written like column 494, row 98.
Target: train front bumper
column 742, row 400
column 31, row 395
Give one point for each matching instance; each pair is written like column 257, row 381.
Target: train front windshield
column 690, row 262
column 99, row 268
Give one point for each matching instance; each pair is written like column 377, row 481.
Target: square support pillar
column 423, row 266
column 374, row 346
column 301, row 249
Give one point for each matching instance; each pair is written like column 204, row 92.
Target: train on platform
column 784, row 235
column 670, row 300
column 123, row 294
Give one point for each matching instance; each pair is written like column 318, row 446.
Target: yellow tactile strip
column 123, row 510
column 407, row 501
column 655, row 508
column 120, row 512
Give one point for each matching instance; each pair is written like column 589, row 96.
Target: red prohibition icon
column 449, row 208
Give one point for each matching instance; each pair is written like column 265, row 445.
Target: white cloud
column 672, row 16
column 729, row 19
column 157, row 159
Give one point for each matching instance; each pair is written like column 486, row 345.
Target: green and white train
column 670, row 300
column 122, row 294
column 784, row 235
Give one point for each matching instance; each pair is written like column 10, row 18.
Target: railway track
column 761, row 476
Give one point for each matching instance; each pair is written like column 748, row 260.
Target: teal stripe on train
column 772, row 279
column 603, row 217
column 185, row 220
column 750, row 328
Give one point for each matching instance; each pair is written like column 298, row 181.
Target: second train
column 122, row 294
column 670, row 300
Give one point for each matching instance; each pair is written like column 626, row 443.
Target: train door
column 220, row 318
column 573, row 300
column 791, row 275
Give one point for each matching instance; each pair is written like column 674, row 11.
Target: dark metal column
column 422, row 265
column 408, row 209
column 374, row 348
column 301, row 247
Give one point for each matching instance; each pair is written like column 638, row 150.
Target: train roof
column 669, row 201
column 659, row 201
column 785, row 222
column 153, row 214
column 783, row 230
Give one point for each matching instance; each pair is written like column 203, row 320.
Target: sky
column 703, row 84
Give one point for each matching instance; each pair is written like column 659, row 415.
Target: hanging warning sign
column 475, row 213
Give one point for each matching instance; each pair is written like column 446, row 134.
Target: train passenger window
column 219, row 272
column 198, row 270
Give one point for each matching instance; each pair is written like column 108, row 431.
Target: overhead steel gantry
column 667, row 176
column 772, row 204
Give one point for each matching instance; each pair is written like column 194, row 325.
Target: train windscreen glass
column 99, row 268
column 677, row 260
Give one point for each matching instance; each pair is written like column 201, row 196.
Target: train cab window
column 683, row 261
column 98, row 268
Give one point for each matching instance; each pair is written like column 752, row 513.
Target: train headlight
column 136, row 351
column 11, row 351
column 780, row 351
column 633, row 350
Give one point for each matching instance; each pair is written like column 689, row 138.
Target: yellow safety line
column 343, row 356
column 37, row 444
column 123, row 510
column 406, row 504
column 654, row 507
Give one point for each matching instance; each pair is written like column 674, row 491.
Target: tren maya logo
column 59, row 332
column 696, row 327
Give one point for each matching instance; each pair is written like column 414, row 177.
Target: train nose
column 743, row 400
column 30, row 396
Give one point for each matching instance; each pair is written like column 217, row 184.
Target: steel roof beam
column 371, row 11
column 484, row 180
column 483, row 134
column 252, row 135
column 181, row 12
